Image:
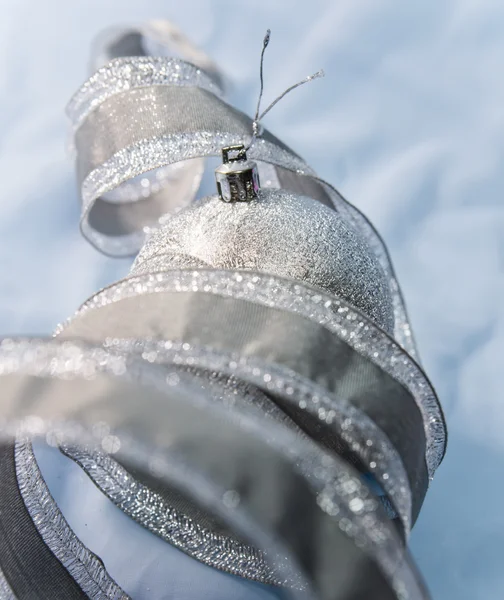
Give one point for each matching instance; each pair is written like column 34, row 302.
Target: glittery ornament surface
column 281, row 234
column 403, row 333
column 109, row 82
column 147, row 155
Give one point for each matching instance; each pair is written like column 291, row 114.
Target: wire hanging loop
column 256, row 123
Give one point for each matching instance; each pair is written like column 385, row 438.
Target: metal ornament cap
column 237, row 178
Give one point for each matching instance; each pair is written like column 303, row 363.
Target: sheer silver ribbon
column 107, row 317
column 122, row 216
column 135, row 118
column 169, row 437
column 133, row 132
column 142, row 114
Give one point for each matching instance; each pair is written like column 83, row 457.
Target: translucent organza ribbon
column 313, row 523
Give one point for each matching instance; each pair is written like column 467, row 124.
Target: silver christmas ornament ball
column 279, row 233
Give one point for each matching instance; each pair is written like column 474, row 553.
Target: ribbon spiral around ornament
column 250, row 393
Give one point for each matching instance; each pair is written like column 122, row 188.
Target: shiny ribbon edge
column 337, row 315
column 351, row 424
column 5, row 591
column 26, row 365
column 151, row 154
column 392, row 476
column 95, row 185
column 82, row 565
column 103, row 79
column 171, row 525
column 128, row 73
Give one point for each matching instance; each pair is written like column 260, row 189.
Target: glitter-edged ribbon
column 341, row 319
column 246, row 477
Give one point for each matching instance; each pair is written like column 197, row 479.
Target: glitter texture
column 148, row 508
column 87, row 570
column 122, row 74
column 281, row 234
column 150, row 154
column 365, row 439
column 64, row 360
column 5, row 592
column 402, row 328
column 228, row 390
column 361, row 434
column 340, row 493
column 159, row 263
column 333, row 313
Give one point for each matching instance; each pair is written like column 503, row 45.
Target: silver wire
column 316, row 75
column 256, row 118
column 256, row 131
